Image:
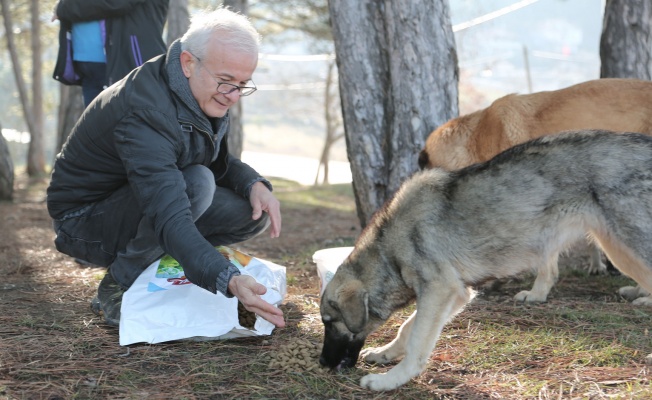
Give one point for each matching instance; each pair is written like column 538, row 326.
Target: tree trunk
column 71, row 106
column 35, row 153
column 333, row 123
column 398, row 79
column 626, row 41
column 236, row 131
column 18, row 73
column 6, row 170
column 178, row 20
column 240, row 6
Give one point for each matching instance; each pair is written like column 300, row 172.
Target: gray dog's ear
column 353, row 304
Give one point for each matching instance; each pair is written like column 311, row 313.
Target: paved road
column 299, row 169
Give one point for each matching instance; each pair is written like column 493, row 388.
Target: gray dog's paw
column 643, row 301
column 635, row 294
column 378, row 382
column 374, row 355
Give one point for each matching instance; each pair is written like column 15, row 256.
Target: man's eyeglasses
column 228, row 88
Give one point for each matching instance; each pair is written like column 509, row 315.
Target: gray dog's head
column 346, row 318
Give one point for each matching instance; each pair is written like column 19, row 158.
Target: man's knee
column 248, row 228
column 229, row 220
column 262, row 223
column 200, row 188
column 241, row 226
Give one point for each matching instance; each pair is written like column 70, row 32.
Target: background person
column 146, row 170
column 88, row 58
column 131, row 32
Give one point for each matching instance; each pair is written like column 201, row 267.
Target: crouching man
column 146, row 170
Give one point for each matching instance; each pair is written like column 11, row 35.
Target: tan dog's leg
column 633, row 266
column 437, row 303
column 639, row 297
column 546, row 277
column 394, row 349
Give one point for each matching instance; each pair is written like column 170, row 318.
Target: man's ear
column 187, row 63
column 353, row 299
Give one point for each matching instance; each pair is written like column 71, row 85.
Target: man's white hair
column 230, row 28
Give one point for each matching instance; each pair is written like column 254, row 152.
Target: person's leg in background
column 93, row 75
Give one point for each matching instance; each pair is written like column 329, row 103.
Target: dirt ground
column 53, row 348
column 44, row 293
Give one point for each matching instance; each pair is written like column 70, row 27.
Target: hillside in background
column 561, row 38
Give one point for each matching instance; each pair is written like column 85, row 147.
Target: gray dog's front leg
column 435, row 307
column 394, row 349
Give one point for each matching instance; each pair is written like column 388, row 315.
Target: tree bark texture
column 235, row 140
column 178, row 20
column 236, row 131
column 333, row 122
column 35, row 153
column 18, row 73
column 626, row 41
column 71, row 106
column 398, row 79
column 6, row 170
column 240, row 6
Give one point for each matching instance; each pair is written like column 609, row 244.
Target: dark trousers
column 114, row 232
column 93, row 79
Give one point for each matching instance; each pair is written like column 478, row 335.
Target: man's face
column 220, row 64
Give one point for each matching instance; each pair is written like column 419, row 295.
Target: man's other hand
column 248, row 291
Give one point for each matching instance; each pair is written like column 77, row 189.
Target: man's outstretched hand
column 262, row 200
column 248, row 291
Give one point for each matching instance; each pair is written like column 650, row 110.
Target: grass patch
column 335, row 197
column 521, row 349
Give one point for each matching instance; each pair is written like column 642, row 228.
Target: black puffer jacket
column 134, row 30
column 142, row 131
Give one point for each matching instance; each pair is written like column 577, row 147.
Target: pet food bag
column 328, row 260
column 162, row 305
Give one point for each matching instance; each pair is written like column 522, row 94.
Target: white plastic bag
column 162, row 305
column 328, row 260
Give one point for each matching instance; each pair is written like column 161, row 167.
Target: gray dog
column 444, row 232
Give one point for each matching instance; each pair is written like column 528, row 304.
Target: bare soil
column 53, row 347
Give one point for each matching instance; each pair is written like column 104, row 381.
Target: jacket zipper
column 188, row 127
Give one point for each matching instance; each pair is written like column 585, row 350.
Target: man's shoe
column 108, row 300
column 85, row 263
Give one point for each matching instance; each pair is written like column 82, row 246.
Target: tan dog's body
column 621, row 105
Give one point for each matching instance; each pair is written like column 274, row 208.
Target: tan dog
column 611, row 104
